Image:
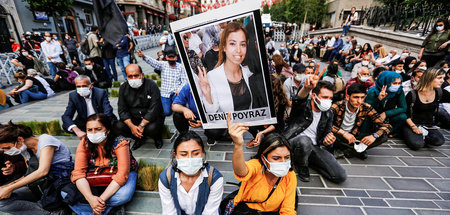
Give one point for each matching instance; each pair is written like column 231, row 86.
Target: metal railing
column 7, row 69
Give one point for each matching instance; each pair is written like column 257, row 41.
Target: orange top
column 123, row 161
column 255, row 188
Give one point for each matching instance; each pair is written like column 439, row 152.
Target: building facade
column 9, row 23
column 338, row 10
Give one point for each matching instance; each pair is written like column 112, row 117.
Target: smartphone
column 192, row 120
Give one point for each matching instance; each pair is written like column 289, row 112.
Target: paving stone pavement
column 393, row 180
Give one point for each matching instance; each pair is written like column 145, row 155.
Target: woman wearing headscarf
column 388, row 99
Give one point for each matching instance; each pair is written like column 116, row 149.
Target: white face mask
column 357, row 50
column 389, row 55
column 300, row 77
column 15, row 151
column 414, row 83
column 84, row 91
column 310, row 47
column 422, row 67
column 135, row 83
column 96, row 138
column 445, row 69
column 404, row 55
column 411, row 65
column 393, row 88
column 25, row 54
column 67, row 38
column 363, row 79
column 439, row 28
column 190, row 166
column 325, row 104
column 279, row 169
column 48, row 39
column 365, row 63
column 89, row 67
column 295, row 47
column 399, row 71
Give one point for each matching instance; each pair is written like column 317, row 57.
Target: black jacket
column 144, row 102
column 98, row 76
column 299, row 55
column 301, row 117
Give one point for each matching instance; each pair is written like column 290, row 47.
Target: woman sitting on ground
column 29, row 89
column 65, row 78
column 102, row 148
column 388, row 99
column 25, row 59
column 423, row 103
column 46, row 156
column 281, row 67
column 268, row 183
column 190, row 185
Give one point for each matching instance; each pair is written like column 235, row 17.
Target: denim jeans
column 27, row 95
column 110, row 64
column 345, row 29
column 167, row 104
column 121, row 197
column 52, row 68
column 123, row 63
column 306, row 154
column 416, row 141
column 22, row 201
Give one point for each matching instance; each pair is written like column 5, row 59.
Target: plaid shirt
column 365, row 110
column 172, row 78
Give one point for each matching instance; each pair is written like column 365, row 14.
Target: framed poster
column 41, row 16
column 225, row 61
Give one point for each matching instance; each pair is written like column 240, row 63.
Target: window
column 88, row 15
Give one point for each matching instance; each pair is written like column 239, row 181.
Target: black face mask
column 172, row 62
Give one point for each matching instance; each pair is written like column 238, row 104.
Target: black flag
column 111, row 23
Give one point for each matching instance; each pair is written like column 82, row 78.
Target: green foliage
column 294, row 11
column 266, row 9
column 154, row 76
column 158, row 82
column 278, row 11
column 166, row 134
column 147, row 76
column 51, row 127
column 116, row 83
column 148, row 176
column 114, row 93
column 57, row 7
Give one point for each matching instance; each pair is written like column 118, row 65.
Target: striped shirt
column 172, row 78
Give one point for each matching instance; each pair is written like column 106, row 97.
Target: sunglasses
column 185, row 37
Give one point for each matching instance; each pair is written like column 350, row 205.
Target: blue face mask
column 393, row 88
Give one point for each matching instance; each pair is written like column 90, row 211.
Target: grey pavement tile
column 321, row 192
column 144, row 205
column 426, row 152
column 374, row 202
column 412, row 204
column 328, row 210
column 315, row 182
column 443, row 204
column 349, row 201
column 165, row 153
column 445, row 151
column 388, row 211
column 215, row 156
column 409, row 184
column 445, row 161
column 431, row 212
column 229, row 156
column 445, row 196
column 377, row 160
column 441, row 184
column 222, row 165
column 356, row 193
column 444, row 172
column 413, row 161
column 229, row 177
column 146, row 153
column 414, row 195
column 387, row 152
column 317, row 200
column 356, row 170
column 416, row 172
column 379, row 194
column 360, row 183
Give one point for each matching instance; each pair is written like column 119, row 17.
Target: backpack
column 339, row 82
column 71, row 75
column 84, row 45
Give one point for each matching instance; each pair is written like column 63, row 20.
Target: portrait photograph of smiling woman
column 225, row 70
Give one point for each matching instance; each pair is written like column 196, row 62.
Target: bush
column 158, row 82
column 148, row 176
column 166, row 134
column 116, row 83
column 114, row 93
column 147, row 76
column 51, row 128
column 154, row 76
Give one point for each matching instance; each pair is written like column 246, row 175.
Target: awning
column 127, row 13
column 172, row 17
column 149, row 12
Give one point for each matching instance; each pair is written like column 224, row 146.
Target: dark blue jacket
column 124, row 45
column 338, row 44
column 100, row 103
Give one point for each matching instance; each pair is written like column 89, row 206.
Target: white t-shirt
column 163, row 40
column 311, row 131
column 349, row 119
column 355, row 15
column 194, row 43
column 188, row 200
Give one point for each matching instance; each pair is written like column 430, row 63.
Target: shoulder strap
column 270, row 194
column 210, row 175
column 413, row 100
column 439, row 94
column 168, row 175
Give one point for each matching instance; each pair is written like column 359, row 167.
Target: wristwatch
column 142, row 124
column 375, row 135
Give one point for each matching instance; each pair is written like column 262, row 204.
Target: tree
column 266, row 9
column 277, row 11
column 294, row 11
column 54, row 8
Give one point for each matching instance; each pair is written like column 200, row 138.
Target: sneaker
column 338, row 153
column 119, row 210
column 158, row 143
column 211, row 142
column 137, row 144
column 303, row 174
column 363, row 155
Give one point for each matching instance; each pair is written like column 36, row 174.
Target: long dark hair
column 279, row 96
column 434, row 31
column 10, row 132
column 270, row 142
column 105, row 121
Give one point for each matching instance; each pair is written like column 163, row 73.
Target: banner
column 225, row 61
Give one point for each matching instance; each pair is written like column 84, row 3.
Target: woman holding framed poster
column 230, row 77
